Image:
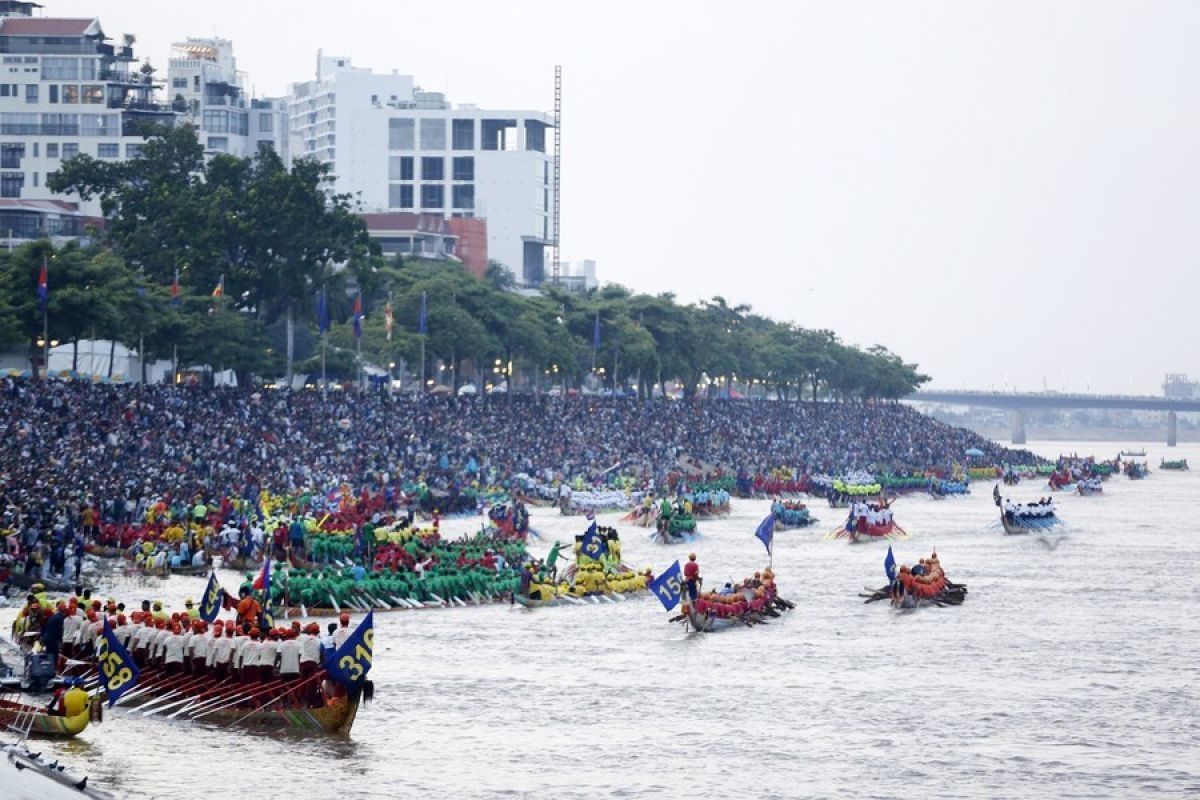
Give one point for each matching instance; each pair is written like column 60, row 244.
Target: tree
column 499, row 277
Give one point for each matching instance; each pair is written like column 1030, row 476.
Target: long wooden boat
column 44, row 723
column 705, row 621
column 1180, row 464
column 1028, row 524
column 889, row 530
column 1134, row 453
column 241, row 564
column 335, row 715
column 26, row 774
column 24, row 580
column 1064, row 487
column 103, row 550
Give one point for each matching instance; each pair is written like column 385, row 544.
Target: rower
column 691, row 575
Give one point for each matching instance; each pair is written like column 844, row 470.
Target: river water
column 1071, row 671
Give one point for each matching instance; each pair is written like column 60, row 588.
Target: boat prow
column 25, row 775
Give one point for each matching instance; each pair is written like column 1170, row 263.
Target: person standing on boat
column 52, row 633
column 552, row 559
column 691, row 577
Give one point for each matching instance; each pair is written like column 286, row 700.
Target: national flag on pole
column 766, row 532
column 351, row 662
column 358, row 316
column 219, row 291
column 593, row 544
column 118, row 672
column 596, row 333
column 262, row 582
column 322, row 312
column 421, row 326
column 668, row 587
column 212, row 599
column 175, row 289
column 889, row 564
column 43, row 286
column 387, row 319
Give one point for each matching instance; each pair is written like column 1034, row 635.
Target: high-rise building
column 395, row 147
column 64, row 89
column 205, row 87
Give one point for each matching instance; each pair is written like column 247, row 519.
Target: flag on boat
column 212, row 599
column 351, row 662
column 593, row 544
column 668, row 587
column 262, row 583
column 43, row 287
column 118, row 672
column 889, row 564
column 766, row 532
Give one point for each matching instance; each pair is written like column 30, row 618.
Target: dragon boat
column 1134, row 453
column 1088, row 488
column 257, row 704
column 1178, row 465
column 1025, row 523
column 1135, row 471
column 76, row 710
column 750, row 604
column 909, row 592
column 790, row 516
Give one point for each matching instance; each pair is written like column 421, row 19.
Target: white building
column 394, row 147
column 206, row 88
column 64, row 89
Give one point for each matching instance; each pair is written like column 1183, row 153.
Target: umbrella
column 974, row 451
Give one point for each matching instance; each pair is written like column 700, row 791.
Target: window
column 87, row 69
column 464, row 168
column 93, row 94
column 400, row 134
column 52, row 150
column 35, row 180
column 178, row 83
column 6, row 90
column 432, row 196
column 98, row 125
column 31, row 93
column 433, row 134
column 60, row 125
column 463, row 131
column 266, row 122
column 108, row 150
column 216, row 121
column 70, row 93
column 19, row 124
column 35, row 149
column 11, row 184
column 218, row 143
column 70, row 150
column 433, row 168
column 61, row 69
column 464, row 196
column 53, row 93
column 11, row 155
column 133, row 151
column 400, row 195
column 400, row 168
column 196, row 83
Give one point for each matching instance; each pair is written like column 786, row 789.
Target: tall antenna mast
column 557, row 265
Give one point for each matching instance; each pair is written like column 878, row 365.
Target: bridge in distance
column 1017, row 403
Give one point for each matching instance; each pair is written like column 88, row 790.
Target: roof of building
column 48, row 26
column 403, row 221
column 22, row 204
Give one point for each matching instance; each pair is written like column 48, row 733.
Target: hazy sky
column 1003, row 191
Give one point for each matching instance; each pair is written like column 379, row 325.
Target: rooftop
column 49, row 26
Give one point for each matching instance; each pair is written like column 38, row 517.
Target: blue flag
column 889, row 564
column 593, row 544
column 596, row 333
column 210, row 601
column 351, row 662
column 322, row 312
column 421, row 320
column 118, row 672
column 668, row 587
column 766, row 532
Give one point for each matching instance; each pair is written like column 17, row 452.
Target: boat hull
column 51, row 726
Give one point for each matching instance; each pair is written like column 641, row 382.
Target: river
column 1071, row 671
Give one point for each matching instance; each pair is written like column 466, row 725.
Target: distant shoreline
column 1034, row 433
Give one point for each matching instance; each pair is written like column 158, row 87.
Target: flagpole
column 324, row 385
column 46, row 337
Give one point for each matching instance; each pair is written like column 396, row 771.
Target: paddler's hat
column 158, row 605
column 189, row 602
column 691, row 556
column 38, row 587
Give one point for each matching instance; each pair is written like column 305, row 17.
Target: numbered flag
column 118, row 673
column 212, row 600
column 593, row 544
column 889, row 564
column 766, row 532
column 351, row 662
column 668, row 587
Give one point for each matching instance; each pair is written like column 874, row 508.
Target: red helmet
column 344, row 618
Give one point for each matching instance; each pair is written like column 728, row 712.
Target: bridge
column 1017, row 403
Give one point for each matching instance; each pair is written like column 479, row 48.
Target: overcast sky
column 1005, row 192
